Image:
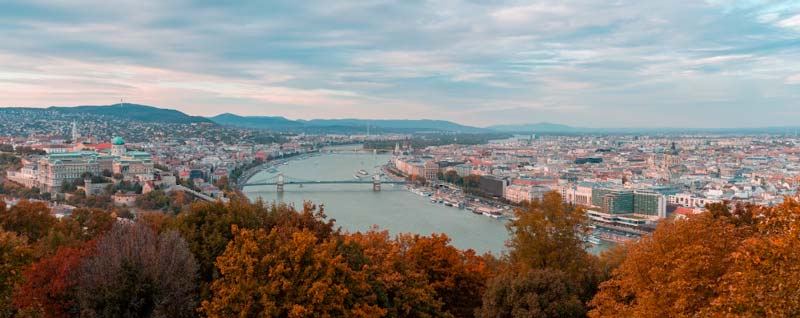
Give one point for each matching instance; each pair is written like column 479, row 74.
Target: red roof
column 684, row 211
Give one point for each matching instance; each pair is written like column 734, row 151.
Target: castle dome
column 117, row 141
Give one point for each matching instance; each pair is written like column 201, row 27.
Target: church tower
column 76, row 136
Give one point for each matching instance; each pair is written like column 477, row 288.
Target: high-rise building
column 627, row 201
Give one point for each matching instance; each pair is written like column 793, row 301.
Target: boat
column 356, row 177
column 593, row 239
column 494, row 215
column 363, row 172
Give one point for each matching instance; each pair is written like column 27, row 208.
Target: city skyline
column 706, row 64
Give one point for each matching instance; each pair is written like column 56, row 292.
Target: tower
column 280, row 183
column 87, row 186
column 75, row 134
column 376, row 182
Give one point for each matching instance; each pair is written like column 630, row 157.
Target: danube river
column 355, row 207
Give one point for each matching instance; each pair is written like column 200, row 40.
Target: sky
column 652, row 63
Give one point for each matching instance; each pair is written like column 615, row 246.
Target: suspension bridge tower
column 376, row 182
column 280, row 183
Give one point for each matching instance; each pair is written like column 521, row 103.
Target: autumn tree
column 207, row 227
column 32, row 219
column 280, row 273
column 458, row 278
column 763, row 279
column 133, row 272
column 80, row 226
column 15, row 255
column 545, row 246
column 674, row 272
column 50, row 288
column 401, row 288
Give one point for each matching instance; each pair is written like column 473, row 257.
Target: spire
column 75, row 134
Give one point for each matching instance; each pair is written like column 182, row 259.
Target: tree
column 532, row 293
column 453, row 177
column 80, row 226
column 673, row 272
column 50, row 287
column 399, row 287
column 764, row 277
column 548, row 235
column 548, row 272
column 458, row 278
column 284, row 274
column 417, row 179
column 133, row 272
column 31, row 219
column 472, row 181
column 207, row 227
column 15, row 255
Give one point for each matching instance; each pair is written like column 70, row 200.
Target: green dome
column 117, row 141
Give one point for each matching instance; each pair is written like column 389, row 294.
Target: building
column 493, row 185
column 628, row 201
column 125, row 199
column 650, row 203
column 52, row 170
column 518, row 193
column 55, row 169
column 430, row 170
column 577, row 194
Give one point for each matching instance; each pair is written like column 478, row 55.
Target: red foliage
column 49, row 285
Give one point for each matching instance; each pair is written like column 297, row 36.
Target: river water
column 355, row 207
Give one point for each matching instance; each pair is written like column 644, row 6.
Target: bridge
column 198, row 194
column 280, row 180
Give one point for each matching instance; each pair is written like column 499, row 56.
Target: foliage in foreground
column 243, row 259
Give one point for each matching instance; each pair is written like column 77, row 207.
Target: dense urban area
column 70, row 177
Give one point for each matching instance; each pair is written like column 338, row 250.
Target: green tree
column 532, row 293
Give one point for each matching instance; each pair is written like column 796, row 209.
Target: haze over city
column 603, row 64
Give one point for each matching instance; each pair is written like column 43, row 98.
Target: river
column 355, row 207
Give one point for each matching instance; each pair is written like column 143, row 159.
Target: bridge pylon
column 376, row 182
column 280, row 183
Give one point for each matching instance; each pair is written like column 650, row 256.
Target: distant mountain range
column 134, row 112
column 551, row 128
column 341, row 125
column 538, row 127
column 144, row 113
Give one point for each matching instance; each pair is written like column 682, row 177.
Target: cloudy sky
column 665, row 63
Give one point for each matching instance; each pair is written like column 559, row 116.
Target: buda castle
column 49, row 172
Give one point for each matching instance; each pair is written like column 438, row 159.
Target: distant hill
column 395, row 124
column 537, row 127
column 341, row 125
column 256, row 122
column 134, row 112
